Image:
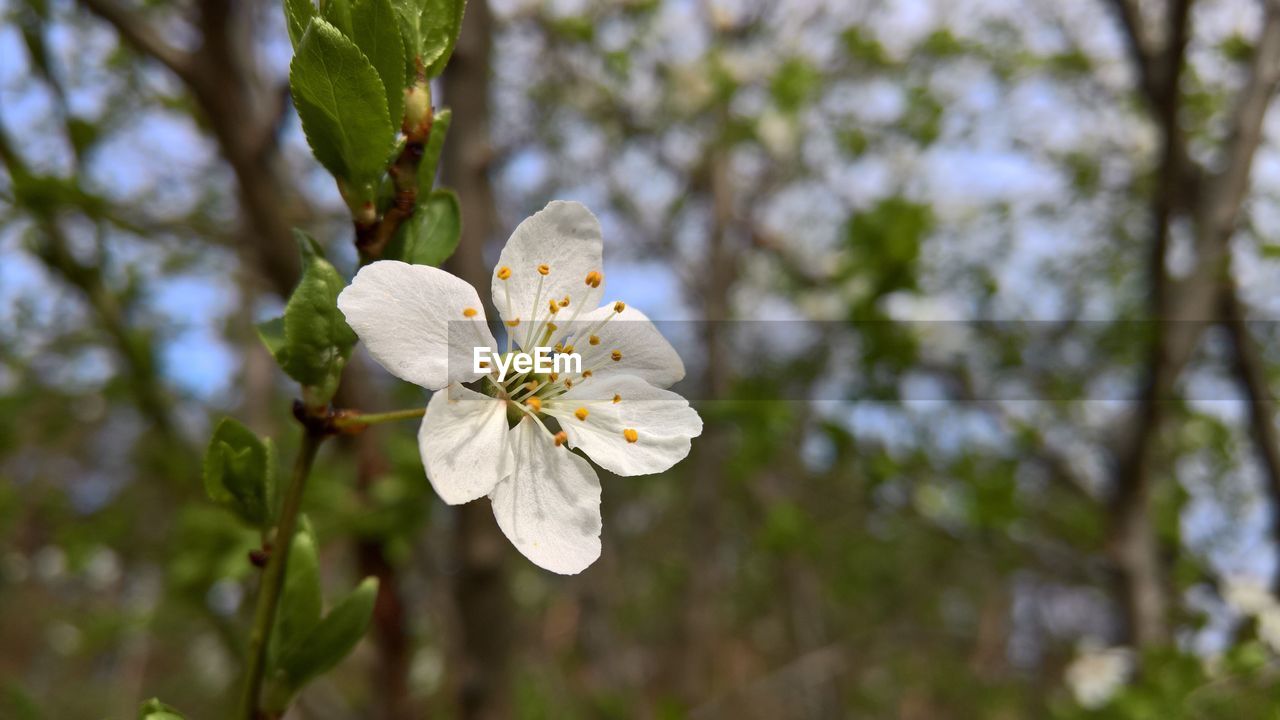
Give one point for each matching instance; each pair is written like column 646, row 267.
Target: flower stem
column 273, row 578
column 358, row 420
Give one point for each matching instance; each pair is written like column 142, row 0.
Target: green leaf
column 376, row 32
column 297, row 15
column 431, row 234
column 317, row 339
column 408, row 15
column 431, row 153
column 441, row 22
column 239, row 472
column 153, row 709
column 300, row 599
column 342, row 103
column 271, row 333
column 337, row 12
column 332, row 639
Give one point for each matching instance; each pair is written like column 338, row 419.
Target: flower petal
column 565, row 238
column 660, row 423
column 642, row 349
column 417, row 322
column 549, row 507
column 463, row 441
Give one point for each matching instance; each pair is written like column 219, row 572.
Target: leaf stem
column 273, row 578
column 358, row 421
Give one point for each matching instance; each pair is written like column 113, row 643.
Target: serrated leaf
column 376, row 32
column 153, row 709
column 342, row 103
column 332, row 638
column 239, row 472
column 430, row 162
column 297, row 15
column 431, row 234
column 317, row 337
column 441, row 22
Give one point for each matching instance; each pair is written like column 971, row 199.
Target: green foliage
column 431, row 234
column 300, row 600
column 153, row 709
column 440, row 24
column 325, row 644
column 375, row 31
column 794, row 84
column 342, row 102
column 297, row 15
column 431, row 153
column 239, row 472
column 885, row 242
column 312, row 341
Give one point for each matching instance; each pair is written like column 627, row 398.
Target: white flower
column 1096, row 674
column 1248, row 595
column 421, row 324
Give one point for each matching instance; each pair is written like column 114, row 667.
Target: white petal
column 549, row 507
column 463, row 441
column 644, row 352
column 662, row 420
column 565, row 237
column 411, row 319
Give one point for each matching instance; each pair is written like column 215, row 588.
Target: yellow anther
column 616, row 355
column 564, row 301
column 631, row 435
column 594, row 279
column 586, row 373
column 543, row 269
column 534, row 403
column 559, row 347
column 504, row 272
column 531, row 385
column 568, row 383
column 568, row 349
column 617, row 399
column 553, row 377
column 561, row 438
column 554, row 307
column 551, row 327
column 619, row 306
column 594, row 339
column 581, row 413
column 513, row 323
column 469, row 312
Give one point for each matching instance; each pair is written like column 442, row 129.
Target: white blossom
column 497, row 440
column 1096, row 674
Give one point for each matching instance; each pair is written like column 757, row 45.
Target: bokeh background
column 1028, row 468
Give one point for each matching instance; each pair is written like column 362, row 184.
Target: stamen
column 469, row 312
column 631, row 435
column 581, row 413
column 504, row 272
column 513, row 323
column 594, row 279
column 555, row 307
column 594, row 339
column 616, row 355
column 564, row 302
column 568, row 383
column 543, row 269
column 586, row 373
column 568, row 350
column 617, row 399
column 619, row 306
column 535, row 403
column 561, row 438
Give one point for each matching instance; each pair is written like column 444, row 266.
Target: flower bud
column 417, row 110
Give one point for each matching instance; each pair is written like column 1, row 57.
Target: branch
column 1251, row 372
column 143, row 38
